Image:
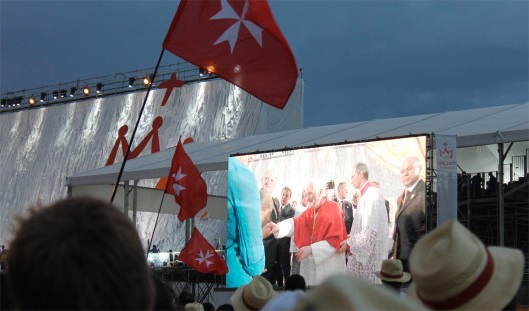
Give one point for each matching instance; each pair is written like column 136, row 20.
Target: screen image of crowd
column 338, row 209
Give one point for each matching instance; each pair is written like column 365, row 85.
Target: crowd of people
column 83, row 253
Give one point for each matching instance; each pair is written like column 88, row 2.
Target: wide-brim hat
column 391, row 271
column 343, row 292
column 252, row 296
column 452, row 269
column 194, row 306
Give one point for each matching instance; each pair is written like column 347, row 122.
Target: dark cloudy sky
column 361, row 60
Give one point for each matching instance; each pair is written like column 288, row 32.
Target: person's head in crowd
column 267, row 204
column 268, row 181
column 184, row 298
column 410, row 171
column 294, row 204
column 194, row 306
column 252, row 296
column 360, row 175
column 208, row 306
column 314, row 190
column 286, row 193
column 452, row 269
column 78, row 254
column 342, row 191
column 392, row 274
column 225, row 307
column 286, row 300
column 344, row 292
column 295, row 281
column 165, row 297
column 304, row 201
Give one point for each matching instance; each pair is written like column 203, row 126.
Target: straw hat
column 342, row 292
column 391, row 271
column 194, row 306
column 252, row 296
column 452, row 269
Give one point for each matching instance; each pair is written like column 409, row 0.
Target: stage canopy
column 475, row 127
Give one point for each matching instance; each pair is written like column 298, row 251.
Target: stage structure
column 41, row 145
column 474, row 136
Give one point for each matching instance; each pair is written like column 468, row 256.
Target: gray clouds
column 361, row 59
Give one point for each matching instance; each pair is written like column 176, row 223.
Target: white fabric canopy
column 475, row 127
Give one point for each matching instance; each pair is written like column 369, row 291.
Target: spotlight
column 17, row 101
column 72, row 91
column 55, row 94
column 99, row 87
column 4, row 102
column 131, row 81
column 32, row 100
column 63, row 93
column 147, row 80
column 203, row 73
column 86, row 91
column 43, row 97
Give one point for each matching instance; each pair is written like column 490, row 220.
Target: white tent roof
column 473, row 127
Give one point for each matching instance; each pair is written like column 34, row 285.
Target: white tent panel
column 483, row 126
column 148, row 200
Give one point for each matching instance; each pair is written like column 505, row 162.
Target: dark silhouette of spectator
column 154, row 249
column 475, row 182
column 6, row 299
column 208, row 306
column 295, row 281
column 491, row 183
column 3, row 258
column 79, row 253
column 165, row 297
column 225, row 307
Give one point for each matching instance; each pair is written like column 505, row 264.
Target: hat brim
column 501, row 288
column 406, row 277
column 236, row 299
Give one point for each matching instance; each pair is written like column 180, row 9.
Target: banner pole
column 135, row 129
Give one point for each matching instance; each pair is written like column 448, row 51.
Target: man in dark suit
column 268, row 184
column 345, row 206
column 283, row 244
column 410, row 219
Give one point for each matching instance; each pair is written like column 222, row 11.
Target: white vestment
column 324, row 261
column 369, row 236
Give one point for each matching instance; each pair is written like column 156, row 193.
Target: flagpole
column 155, row 223
column 134, row 131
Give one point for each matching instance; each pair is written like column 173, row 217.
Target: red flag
column 239, row 41
column 186, row 184
column 201, row 256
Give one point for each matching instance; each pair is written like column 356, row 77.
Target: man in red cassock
column 317, row 233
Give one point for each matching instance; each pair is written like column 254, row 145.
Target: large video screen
column 283, row 175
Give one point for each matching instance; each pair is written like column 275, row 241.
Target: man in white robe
column 368, row 239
